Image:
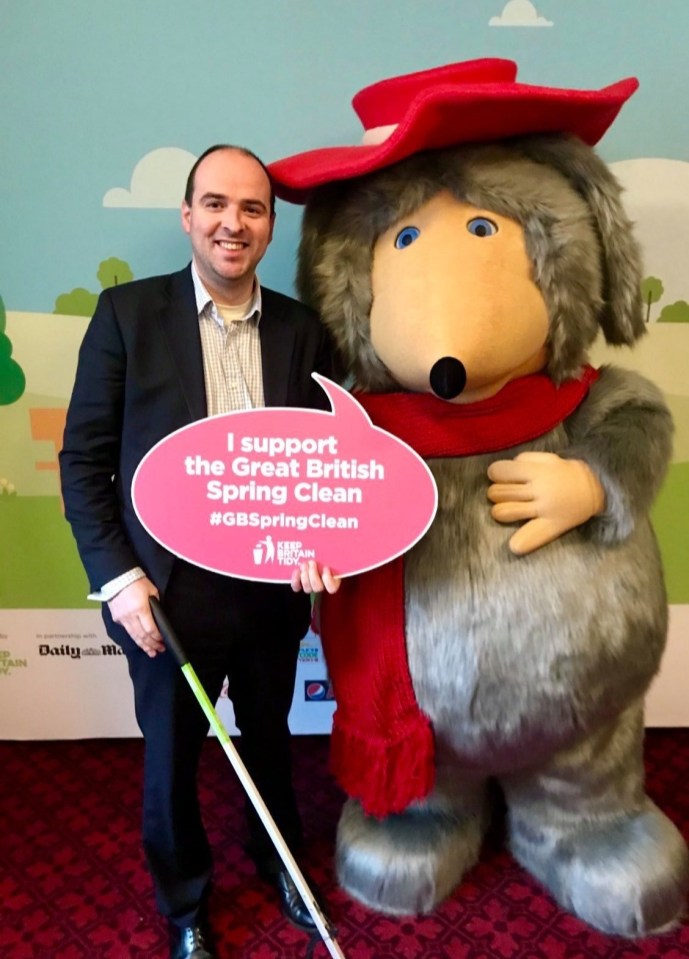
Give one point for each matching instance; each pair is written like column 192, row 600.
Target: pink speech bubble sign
column 252, row 494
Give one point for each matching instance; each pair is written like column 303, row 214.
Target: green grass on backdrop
column 671, row 521
column 42, row 568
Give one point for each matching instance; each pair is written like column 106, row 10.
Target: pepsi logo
column 317, row 690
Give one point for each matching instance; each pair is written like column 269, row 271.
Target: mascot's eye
column 480, row 226
column 406, row 237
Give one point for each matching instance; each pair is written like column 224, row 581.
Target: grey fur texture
column 532, row 669
column 585, row 260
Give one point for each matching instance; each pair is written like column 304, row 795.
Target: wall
column 105, row 106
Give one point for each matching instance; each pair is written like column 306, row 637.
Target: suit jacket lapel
column 180, row 328
column 277, row 345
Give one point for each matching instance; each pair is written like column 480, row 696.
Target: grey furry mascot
column 465, row 256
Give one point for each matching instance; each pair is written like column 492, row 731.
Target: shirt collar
column 206, row 306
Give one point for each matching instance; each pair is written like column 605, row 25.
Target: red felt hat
column 468, row 102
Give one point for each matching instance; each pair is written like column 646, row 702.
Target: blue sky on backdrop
column 90, row 87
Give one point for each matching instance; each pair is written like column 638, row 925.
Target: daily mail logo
column 76, row 652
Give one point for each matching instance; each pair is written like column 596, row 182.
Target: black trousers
column 249, row 632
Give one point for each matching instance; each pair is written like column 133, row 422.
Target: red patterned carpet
column 73, row 883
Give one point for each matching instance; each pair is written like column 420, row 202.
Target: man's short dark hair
column 189, row 190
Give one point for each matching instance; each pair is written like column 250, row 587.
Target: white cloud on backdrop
column 519, row 13
column 157, row 182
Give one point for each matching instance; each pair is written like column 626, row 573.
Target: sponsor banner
column 667, row 704
column 74, row 681
column 62, row 678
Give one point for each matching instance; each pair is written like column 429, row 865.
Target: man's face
column 229, row 223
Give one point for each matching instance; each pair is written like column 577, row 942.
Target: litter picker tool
column 172, row 642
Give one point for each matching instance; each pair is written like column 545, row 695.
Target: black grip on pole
column 168, row 633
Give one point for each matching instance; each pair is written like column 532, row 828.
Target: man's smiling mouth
column 231, row 244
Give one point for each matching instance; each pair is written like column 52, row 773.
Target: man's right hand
column 132, row 610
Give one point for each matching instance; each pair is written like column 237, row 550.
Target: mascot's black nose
column 448, row 378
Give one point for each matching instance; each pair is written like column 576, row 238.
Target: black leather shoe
column 191, row 944
column 293, row 906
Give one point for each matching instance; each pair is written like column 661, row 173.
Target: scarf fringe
column 385, row 776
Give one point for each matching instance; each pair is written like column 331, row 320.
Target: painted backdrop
column 105, row 106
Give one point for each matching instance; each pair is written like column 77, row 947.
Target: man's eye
column 406, row 237
column 480, row 226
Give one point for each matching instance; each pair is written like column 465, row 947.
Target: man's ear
column 272, row 227
column 185, row 214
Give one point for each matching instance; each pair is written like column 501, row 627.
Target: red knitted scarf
column 382, row 748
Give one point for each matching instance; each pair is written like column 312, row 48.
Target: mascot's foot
column 629, row 877
column 404, row 864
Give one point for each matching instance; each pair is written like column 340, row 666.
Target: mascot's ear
column 621, row 315
column 314, row 227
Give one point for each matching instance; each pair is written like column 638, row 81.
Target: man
column 158, row 354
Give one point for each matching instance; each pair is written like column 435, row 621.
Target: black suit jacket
column 140, row 377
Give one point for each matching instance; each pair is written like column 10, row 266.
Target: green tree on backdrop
column 80, row 301
column 651, row 290
column 12, row 379
column 675, row 313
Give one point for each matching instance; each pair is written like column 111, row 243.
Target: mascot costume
column 465, row 256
